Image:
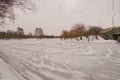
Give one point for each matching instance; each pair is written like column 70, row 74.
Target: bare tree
column 20, row 31
column 65, row 34
column 79, row 29
column 95, row 30
column 7, row 8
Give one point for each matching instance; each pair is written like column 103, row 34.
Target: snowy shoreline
column 8, row 73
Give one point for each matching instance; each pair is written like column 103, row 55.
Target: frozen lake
column 55, row 59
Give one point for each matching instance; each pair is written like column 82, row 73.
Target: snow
column 8, row 73
column 55, row 59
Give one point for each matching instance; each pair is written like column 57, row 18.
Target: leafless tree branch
column 7, row 8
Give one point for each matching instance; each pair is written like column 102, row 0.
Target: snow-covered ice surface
column 55, row 59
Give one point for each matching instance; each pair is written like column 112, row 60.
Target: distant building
column 112, row 33
column 38, row 32
column 106, row 30
column 30, row 34
column 20, row 31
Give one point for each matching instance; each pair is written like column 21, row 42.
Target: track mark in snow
column 110, row 53
column 34, row 70
column 104, row 76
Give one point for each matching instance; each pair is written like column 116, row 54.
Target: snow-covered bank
column 8, row 73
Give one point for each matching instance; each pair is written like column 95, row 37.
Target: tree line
column 5, row 35
column 78, row 31
column 19, row 34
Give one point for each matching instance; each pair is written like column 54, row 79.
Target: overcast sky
column 53, row 16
